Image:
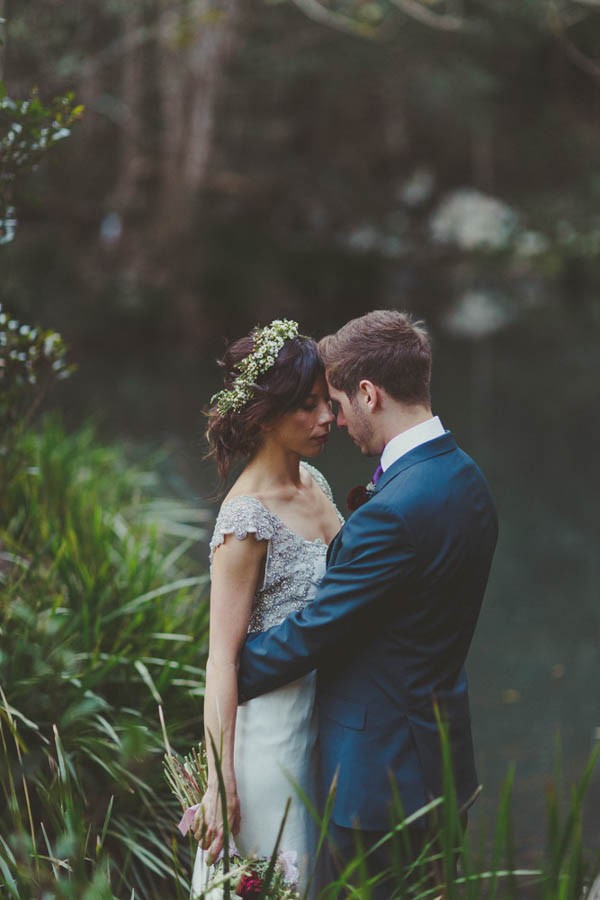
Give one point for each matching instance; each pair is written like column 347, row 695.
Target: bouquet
column 274, row 878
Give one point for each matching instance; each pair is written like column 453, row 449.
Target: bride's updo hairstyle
column 237, row 434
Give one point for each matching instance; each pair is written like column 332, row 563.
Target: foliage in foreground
column 30, row 360
column 102, row 617
column 447, row 867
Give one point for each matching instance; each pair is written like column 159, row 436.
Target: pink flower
column 288, row 864
column 187, row 819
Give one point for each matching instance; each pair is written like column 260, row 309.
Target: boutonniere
column 359, row 495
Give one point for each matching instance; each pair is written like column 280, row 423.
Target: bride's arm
column 236, row 568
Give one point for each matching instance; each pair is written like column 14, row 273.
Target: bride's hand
column 208, row 821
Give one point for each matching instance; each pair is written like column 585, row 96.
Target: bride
column 267, row 557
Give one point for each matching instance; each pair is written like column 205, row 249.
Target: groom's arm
column 376, row 553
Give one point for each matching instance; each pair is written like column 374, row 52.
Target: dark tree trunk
column 2, row 37
column 196, row 44
column 132, row 163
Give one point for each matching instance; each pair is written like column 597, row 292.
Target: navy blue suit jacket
column 388, row 632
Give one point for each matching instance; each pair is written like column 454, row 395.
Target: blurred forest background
column 238, row 162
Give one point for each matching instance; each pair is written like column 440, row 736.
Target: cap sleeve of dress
column 242, row 516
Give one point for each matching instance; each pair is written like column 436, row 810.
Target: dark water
column 524, row 404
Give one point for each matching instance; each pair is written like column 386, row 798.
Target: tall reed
column 447, row 867
column 103, row 615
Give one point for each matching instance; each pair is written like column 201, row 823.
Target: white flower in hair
column 268, row 342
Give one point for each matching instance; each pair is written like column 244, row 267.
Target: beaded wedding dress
column 276, row 734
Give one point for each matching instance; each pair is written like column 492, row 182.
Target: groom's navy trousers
column 388, row 632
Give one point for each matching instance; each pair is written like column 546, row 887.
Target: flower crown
column 268, row 341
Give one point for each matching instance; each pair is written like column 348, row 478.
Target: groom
column 392, row 621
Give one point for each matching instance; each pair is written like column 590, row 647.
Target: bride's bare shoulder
column 241, row 488
column 255, row 484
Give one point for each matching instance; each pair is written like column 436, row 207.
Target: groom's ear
column 370, row 395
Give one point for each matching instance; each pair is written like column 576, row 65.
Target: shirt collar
column 409, row 439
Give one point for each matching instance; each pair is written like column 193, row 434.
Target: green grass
column 449, row 867
column 103, row 617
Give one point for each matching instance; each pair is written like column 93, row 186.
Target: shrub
column 102, row 618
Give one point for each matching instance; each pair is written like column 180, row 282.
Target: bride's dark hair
column 282, row 388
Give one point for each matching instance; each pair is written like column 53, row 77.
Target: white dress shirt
column 409, row 439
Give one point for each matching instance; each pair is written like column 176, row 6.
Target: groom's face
column 351, row 415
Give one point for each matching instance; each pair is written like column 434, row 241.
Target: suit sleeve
column 376, row 554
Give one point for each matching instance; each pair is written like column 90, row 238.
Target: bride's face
column 305, row 430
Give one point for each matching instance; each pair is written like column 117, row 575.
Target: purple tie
column 377, row 474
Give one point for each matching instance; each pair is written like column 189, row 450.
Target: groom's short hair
column 387, row 347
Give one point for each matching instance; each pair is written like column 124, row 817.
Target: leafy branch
column 28, row 130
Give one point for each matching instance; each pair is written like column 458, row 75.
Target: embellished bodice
column 294, row 565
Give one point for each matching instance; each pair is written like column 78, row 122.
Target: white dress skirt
column 275, row 752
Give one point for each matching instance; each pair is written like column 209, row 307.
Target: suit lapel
column 333, row 547
column 445, row 443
